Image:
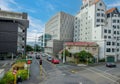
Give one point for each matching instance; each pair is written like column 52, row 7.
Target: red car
column 55, row 61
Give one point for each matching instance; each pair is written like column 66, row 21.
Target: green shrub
column 102, row 60
column 9, row 77
column 23, row 74
column 2, row 81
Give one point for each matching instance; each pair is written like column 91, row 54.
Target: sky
column 40, row 11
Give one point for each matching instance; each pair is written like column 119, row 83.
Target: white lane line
column 104, row 72
column 102, row 76
column 108, row 70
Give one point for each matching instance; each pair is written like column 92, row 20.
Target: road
column 63, row 74
column 67, row 74
column 34, row 72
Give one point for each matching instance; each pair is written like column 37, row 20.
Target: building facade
column 76, row 47
column 95, row 23
column 60, row 27
column 13, row 31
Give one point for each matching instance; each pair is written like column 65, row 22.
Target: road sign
column 14, row 72
column 29, row 62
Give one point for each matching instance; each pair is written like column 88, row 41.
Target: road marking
column 108, row 70
column 105, row 72
column 80, row 83
column 50, row 63
column 102, row 75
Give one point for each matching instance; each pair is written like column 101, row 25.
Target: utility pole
column 64, row 52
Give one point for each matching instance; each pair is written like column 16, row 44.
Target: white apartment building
column 95, row 23
column 60, row 27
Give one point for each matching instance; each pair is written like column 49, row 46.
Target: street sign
column 29, row 62
column 14, row 72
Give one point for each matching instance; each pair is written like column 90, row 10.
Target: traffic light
column 40, row 62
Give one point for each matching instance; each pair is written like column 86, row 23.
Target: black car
column 110, row 64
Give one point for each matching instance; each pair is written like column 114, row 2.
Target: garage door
column 110, row 59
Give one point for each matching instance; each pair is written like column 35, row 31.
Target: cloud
column 50, row 6
column 36, row 25
column 36, row 29
column 116, row 4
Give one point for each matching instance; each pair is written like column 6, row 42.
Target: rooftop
column 81, row 43
column 110, row 10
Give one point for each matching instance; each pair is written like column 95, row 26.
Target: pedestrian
column 19, row 80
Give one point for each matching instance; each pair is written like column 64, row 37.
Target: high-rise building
column 13, row 29
column 95, row 23
column 60, row 27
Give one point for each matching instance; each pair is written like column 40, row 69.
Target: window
column 114, row 26
column 105, row 37
column 114, row 32
column 109, row 31
column 105, row 31
column 94, row 49
column 109, row 37
column 98, row 14
column 113, row 50
column 108, row 50
column 118, row 21
column 98, row 9
column 102, row 20
column 118, row 32
column 118, row 44
column 23, row 30
column 118, row 27
column 98, row 20
column 108, row 15
column 108, row 43
column 118, row 50
column 97, row 25
column 113, row 43
column 23, row 38
column 102, row 15
column 100, row 4
column 114, row 21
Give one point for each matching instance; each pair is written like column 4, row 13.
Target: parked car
column 37, row 56
column 55, row 61
column 49, row 58
column 43, row 55
column 110, row 64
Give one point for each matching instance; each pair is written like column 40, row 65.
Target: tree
column 67, row 53
column 29, row 48
column 37, row 47
column 84, row 56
